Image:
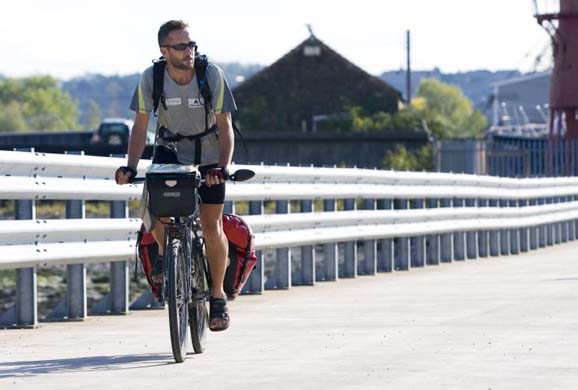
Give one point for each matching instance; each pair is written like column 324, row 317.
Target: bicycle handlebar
column 238, row 175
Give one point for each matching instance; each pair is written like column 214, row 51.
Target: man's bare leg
column 216, row 245
column 158, row 232
column 217, row 251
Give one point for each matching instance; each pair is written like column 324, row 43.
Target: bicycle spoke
column 199, row 316
column 178, row 313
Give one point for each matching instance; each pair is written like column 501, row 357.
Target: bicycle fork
column 175, row 231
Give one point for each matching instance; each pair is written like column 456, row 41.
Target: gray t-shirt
column 185, row 113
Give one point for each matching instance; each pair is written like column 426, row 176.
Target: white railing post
column 524, row 233
column 281, row 278
column 514, row 234
column 119, row 273
column 73, row 306
column 550, row 228
column 563, row 225
column 534, row 231
column 256, row 282
column 369, row 247
column 418, row 243
column 504, row 234
column 386, row 254
column 446, row 239
column 459, row 237
column 117, row 300
column 570, row 224
column 26, row 314
column 557, row 225
column 471, row 237
column 494, row 234
column 483, row 235
column 542, row 229
column 576, row 221
column 402, row 262
column 330, row 251
column 433, row 246
column 350, row 260
column 307, row 273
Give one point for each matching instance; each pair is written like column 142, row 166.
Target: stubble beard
column 182, row 65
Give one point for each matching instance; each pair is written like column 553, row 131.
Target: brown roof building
column 310, row 83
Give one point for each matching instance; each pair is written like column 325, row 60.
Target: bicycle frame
column 186, row 273
column 179, row 228
column 187, row 230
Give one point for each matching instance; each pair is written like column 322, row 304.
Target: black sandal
column 219, row 314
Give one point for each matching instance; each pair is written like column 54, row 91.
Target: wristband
column 225, row 172
column 130, row 170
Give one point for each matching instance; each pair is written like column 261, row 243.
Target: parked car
column 116, row 131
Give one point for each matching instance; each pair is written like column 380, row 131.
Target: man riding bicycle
column 187, row 131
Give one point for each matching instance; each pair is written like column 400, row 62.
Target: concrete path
column 498, row 323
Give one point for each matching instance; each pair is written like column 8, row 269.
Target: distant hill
column 475, row 84
column 112, row 94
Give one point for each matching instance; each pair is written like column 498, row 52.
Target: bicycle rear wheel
column 177, row 299
column 199, row 316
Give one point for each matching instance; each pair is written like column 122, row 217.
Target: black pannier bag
column 172, row 194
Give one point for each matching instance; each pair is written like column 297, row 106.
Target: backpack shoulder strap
column 158, row 83
column 201, row 64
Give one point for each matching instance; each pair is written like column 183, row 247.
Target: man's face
column 180, row 59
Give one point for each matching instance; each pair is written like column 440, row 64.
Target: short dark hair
column 169, row 26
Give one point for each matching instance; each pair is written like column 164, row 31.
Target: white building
column 521, row 103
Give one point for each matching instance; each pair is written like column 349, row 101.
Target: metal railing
column 350, row 222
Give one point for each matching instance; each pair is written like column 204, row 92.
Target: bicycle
column 174, row 200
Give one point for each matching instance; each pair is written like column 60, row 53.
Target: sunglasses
column 182, row 46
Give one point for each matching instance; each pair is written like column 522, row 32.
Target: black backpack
column 159, row 66
column 201, row 64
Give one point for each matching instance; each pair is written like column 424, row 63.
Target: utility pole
column 408, row 71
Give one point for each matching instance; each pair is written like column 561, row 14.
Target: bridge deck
column 508, row 322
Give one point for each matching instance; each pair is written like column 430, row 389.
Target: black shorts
column 210, row 195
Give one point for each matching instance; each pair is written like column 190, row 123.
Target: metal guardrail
column 407, row 219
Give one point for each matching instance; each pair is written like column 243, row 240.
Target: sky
column 70, row 38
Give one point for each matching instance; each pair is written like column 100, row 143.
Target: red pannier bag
column 148, row 250
column 242, row 258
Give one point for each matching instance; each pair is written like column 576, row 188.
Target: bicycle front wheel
column 199, row 316
column 177, row 299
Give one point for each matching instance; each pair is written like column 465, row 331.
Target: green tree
column 447, row 112
column 403, row 160
column 43, row 105
column 94, row 117
column 400, row 159
column 12, row 117
column 408, row 120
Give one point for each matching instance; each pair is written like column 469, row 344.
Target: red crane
column 560, row 19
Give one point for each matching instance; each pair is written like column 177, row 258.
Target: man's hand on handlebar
column 125, row 175
column 215, row 176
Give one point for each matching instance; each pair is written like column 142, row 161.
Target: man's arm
column 137, row 141
column 136, row 146
column 226, row 138
column 226, row 145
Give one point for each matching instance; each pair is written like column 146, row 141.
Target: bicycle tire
column 176, row 299
column 198, row 313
